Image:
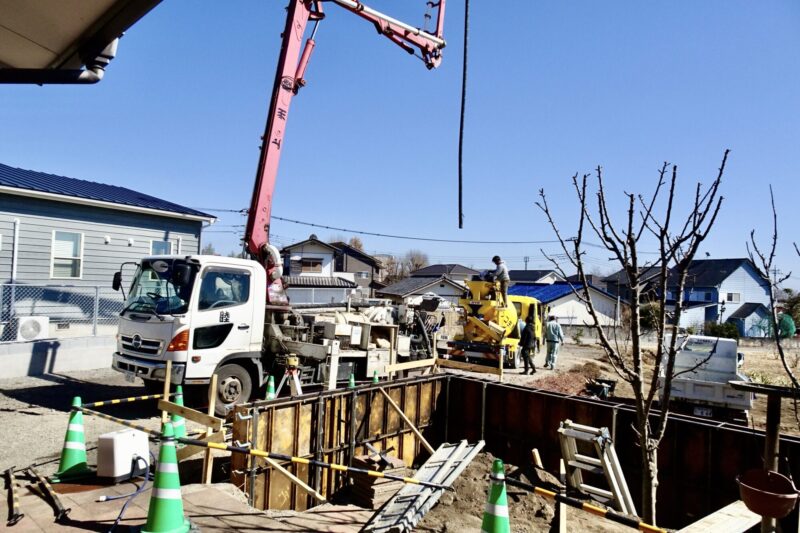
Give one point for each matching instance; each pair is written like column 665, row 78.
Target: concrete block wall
column 35, row 358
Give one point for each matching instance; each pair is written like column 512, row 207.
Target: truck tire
column 234, row 386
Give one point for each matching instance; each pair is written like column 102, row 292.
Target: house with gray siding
column 723, row 290
column 62, row 239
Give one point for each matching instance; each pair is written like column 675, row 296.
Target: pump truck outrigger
column 229, row 316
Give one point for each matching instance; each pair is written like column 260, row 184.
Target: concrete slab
column 217, row 508
column 733, row 518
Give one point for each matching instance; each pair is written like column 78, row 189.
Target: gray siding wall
column 38, row 218
column 751, row 289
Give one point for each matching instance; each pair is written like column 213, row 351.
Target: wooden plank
column 471, row 367
column 410, row 365
column 191, row 414
column 733, row 517
column 208, row 459
column 188, row 451
column 561, row 508
column 407, row 421
column 167, row 378
column 299, row 482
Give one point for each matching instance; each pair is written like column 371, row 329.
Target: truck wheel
column 234, row 386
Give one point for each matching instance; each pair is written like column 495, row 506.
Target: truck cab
column 203, row 313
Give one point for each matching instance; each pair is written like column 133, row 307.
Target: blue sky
column 554, row 88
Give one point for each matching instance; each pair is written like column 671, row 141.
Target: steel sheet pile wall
column 330, row 426
column 698, row 461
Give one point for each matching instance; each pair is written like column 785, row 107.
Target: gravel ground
column 34, row 414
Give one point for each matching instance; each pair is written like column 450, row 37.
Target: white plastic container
column 116, row 452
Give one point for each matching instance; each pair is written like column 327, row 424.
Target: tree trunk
column 649, row 484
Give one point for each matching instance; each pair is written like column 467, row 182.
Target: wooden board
column 471, row 367
column 190, row 414
column 188, row 451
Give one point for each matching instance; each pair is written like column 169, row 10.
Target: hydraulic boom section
column 289, row 78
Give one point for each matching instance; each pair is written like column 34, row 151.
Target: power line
column 406, row 237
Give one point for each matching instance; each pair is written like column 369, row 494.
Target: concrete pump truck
column 210, row 314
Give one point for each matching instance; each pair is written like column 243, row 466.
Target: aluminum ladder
column 603, row 462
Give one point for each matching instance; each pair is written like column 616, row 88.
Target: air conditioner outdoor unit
column 31, row 328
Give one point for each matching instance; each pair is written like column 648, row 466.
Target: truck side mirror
column 117, row 281
column 181, row 274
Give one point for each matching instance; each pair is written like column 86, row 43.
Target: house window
column 160, row 248
column 67, row 254
column 362, row 275
column 732, row 297
column 310, row 266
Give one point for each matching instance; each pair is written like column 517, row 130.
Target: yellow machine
column 491, row 328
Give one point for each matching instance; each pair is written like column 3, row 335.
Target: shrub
column 725, row 330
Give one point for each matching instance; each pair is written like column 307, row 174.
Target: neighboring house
column 534, row 276
column 722, row 290
column 364, row 267
column 311, row 275
column 449, row 270
column 415, row 287
column 617, row 283
column 593, row 279
column 62, row 239
column 562, row 302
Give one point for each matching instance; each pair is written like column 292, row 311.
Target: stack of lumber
column 372, row 492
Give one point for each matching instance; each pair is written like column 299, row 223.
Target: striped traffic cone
column 271, row 388
column 351, row 383
column 165, row 513
column 495, row 514
column 73, row 454
column 375, row 378
column 178, row 423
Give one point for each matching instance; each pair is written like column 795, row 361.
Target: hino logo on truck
column 136, row 341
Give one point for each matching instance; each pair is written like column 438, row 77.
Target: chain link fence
column 30, row 312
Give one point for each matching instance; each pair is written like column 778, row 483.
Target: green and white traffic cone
column 178, row 423
column 375, row 378
column 495, row 514
column 271, row 388
column 165, row 513
column 351, row 383
column 73, row 454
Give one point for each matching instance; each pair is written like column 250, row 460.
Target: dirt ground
column 461, row 511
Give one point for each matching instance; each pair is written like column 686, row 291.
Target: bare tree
column 649, row 222
column 356, row 243
column 414, row 260
column 766, row 261
column 392, row 269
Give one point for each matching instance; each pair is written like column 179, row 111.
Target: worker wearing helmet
column 500, row 274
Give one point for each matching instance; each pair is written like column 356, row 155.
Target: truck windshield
column 153, row 289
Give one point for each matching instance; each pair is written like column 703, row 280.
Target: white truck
column 209, row 314
column 703, row 368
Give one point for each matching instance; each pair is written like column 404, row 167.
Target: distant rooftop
column 89, row 192
column 451, row 270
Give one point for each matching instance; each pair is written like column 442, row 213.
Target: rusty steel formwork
column 331, row 426
column 698, row 460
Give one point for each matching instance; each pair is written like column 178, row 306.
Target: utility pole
column 526, row 259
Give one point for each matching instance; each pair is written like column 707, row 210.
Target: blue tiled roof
column 547, row 293
column 32, row 180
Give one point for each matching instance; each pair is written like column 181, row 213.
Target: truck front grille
column 142, row 347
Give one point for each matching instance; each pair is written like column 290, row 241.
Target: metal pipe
column 359, row 7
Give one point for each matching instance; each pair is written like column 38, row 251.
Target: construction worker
column 528, row 342
column 554, row 337
column 500, row 274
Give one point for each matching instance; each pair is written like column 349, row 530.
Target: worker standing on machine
column 500, row 274
column 528, row 342
column 554, row 337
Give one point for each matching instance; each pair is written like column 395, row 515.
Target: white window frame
column 733, row 297
column 157, row 240
column 321, row 265
column 53, row 254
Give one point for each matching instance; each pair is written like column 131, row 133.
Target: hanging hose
column 461, row 124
